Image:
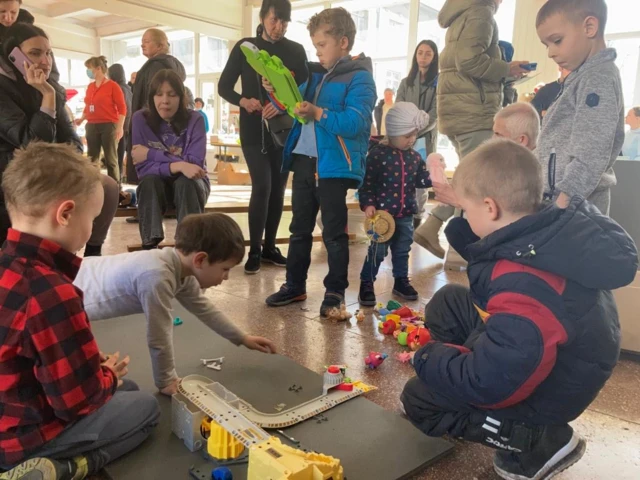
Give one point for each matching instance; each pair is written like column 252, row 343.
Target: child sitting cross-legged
column 207, row 247
column 529, row 345
column 65, row 411
column 394, row 171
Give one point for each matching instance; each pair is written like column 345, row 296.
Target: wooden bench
column 222, row 207
column 227, row 207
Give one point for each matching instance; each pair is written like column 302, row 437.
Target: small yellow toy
column 274, row 461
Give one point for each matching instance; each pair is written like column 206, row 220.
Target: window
column 628, row 62
column 298, row 32
column 214, row 53
column 63, row 67
column 182, row 47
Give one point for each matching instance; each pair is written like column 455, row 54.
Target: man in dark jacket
column 528, row 347
column 155, row 46
column 116, row 73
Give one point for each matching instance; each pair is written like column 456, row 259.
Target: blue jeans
column 400, row 245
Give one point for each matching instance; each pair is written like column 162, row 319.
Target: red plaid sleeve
column 67, row 356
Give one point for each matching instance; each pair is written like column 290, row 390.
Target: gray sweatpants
column 113, row 430
column 464, row 145
column 157, row 194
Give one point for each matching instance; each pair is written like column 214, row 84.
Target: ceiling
column 85, row 17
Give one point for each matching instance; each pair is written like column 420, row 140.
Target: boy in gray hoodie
column 585, row 125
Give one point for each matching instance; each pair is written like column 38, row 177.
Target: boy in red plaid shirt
column 57, row 390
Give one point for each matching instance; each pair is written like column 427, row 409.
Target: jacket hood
column 607, row 55
column 6, row 70
column 345, row 65
column 452, row 9
column 116, row 73
column 578, row 243
column 169, row 61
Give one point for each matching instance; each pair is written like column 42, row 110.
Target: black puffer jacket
column 22, row 121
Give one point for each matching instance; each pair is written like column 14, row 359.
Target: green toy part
column 177, row 321
column 270, row 67
column 393, row 305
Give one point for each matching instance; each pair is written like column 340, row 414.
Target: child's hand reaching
column 259, row 343
column 119, row 367
column 171, row 389
column 308, row 111
column 370, row 211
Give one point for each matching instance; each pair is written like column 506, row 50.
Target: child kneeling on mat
column 394, row 171
column 207, row 247
column 65, row 411
column 527, row 348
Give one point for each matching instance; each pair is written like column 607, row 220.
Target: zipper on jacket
column 483, row 96
column 401, row 184
column 347, row 155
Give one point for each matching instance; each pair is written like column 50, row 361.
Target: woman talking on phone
column 32, row 107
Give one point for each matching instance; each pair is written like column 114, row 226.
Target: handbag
column 278, row 126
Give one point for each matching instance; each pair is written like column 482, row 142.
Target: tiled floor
column 611, row 425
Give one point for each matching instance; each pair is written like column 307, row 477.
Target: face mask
column 90, row 74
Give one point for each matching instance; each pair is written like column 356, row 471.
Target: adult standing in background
column 105, row 112
column 263, row 156
column 33, row 110
column 116, row 74
column 631, row 147
column 381, row 110
column 199, row 107
column 419, row 88
column 470, row 89
column 155, row 46
column 548, row 94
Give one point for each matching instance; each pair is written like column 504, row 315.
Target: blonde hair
column 521, row 118
column 97, row 62
column 43, row 173
column 502, row 170
column 160, row 38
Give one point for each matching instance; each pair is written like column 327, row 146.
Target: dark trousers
column 157, row 194
column 329, row 196
column 102, row 136
column 400, row 246
column 113, row 430
column 452, row 318
column 132, row 174
column 268, row 184
column 122, row 147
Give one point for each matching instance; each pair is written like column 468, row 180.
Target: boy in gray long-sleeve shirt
column 585, row 125
column 207, row 247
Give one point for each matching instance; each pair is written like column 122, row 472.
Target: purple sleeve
column 156, row 163
column 195, row 150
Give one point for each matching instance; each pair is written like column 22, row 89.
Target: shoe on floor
column 454, row 261
column 285, row 296
column 331, row 300
column 253, row 264
column 427, row 236
column 41, row 469
column 403, row 289
column 132, row 220
column 557, row 448
column 273, row 255
column 367, row 295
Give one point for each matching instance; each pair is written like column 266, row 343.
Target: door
column 216, row 108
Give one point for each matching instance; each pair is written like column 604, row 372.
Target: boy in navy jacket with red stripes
column 394, row 171
column 527, row 348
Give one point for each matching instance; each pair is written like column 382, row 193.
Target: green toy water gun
column 286, row 95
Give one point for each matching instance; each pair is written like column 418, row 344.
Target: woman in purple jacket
column 169, row 149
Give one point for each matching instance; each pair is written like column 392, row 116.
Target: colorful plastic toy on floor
column 404, row 357
column 418, row 338
column 375, row 359
column 221, row 473
column 338, row 314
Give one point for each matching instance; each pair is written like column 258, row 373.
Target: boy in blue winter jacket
column 527, row 348
column 327, row 155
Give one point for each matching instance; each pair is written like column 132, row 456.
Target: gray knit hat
column 404, row 118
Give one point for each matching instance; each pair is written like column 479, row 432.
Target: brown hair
column 636, row 111
column 97, row 62
column 504, row 171
column 339, row 22
column 576, row 11
column 216, row 234
column 43, row 173
column 181, row 119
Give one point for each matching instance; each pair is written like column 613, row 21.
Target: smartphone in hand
column 18, row 59
column 529, row 66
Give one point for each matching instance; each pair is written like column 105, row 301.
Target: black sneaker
column 367, row 295
column 285, row 296
column 253, row 264
column 132, row 220
column 403, row 289
column 40, row 469
column 331, row 300
column 273, row 255
column 555, row 450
